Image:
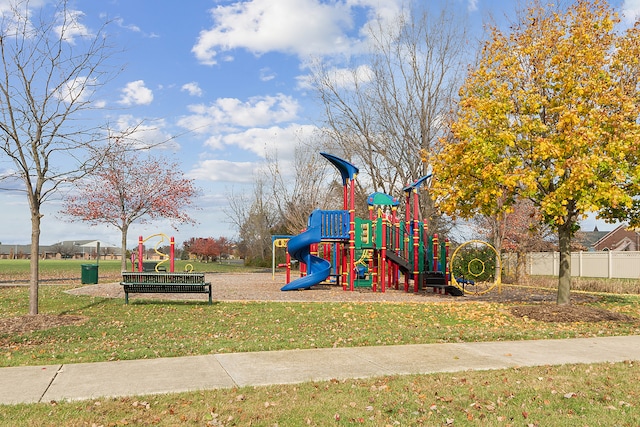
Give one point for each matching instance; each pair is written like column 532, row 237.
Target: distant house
column 585, row 240
column 620, row 239
column 68, row 249
column 84, row 249
column 15, row 251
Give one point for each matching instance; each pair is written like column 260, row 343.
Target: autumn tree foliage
column 131, row 186
column 549, row 114
column 208, row 249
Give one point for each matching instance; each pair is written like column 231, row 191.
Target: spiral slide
column 318, row 269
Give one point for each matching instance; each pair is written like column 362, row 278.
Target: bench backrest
column 138, row 277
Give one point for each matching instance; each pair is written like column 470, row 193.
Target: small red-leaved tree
column 208, row 249
column 131, row 186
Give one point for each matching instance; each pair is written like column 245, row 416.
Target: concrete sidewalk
column 134, row 377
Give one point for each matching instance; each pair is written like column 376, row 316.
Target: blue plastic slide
column 299, row 247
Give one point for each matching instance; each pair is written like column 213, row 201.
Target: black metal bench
column 152, row 266
column 164, row 283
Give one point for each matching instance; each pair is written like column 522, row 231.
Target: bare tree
column 299, row 187
column 285, row 193
column 256, row 219
column 383, row 112
column 50, row 69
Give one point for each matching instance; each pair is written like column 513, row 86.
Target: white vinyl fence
column 610, row 264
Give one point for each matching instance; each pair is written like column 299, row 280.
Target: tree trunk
column 34, row 276
column 123, row 244
column 564, row 274
column 497, row 245
column 522, row 278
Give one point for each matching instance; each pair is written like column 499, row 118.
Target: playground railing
column 334, row 224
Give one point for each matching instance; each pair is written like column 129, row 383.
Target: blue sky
column 223, row 81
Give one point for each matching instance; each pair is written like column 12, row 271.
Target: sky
column 223, row 82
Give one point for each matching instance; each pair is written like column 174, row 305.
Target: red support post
column 383, row 254
column 345, row 197
column 352, row 234
column 447, row 275
column 345, row 265
column 436, row 245
column 396, row 245
column 407, row 215
column 416, row 241
column 140, row 253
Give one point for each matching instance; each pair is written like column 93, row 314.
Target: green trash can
column 89, row 274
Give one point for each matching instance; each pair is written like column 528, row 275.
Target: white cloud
column 266, row 74
column 472, row 5
column 223, row 170
column 147, row 133
column 274, row 140
column 77, row 90
column 132, row 27
column 631, row 10
column 260, row 141
column 341, row 78
column 16, row 16
column 227, row 114
column 70, row 27
column 192, row 88
column 299, row 27
column 11, row 181
column 135, row 93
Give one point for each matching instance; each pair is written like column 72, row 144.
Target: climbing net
column 475, row 267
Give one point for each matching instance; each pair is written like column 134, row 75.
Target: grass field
column 114, row 331
column 573, row 395
column 599, row 394
column 57, row 270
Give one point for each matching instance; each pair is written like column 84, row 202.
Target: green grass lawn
column 600, row 394
column 64, row 269
column 115, row 331
column 572, row 395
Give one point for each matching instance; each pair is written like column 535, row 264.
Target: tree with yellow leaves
column 550, row 114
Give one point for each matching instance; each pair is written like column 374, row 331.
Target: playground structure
column 378, row 252
column 138, row 261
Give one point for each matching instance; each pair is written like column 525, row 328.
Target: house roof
column 86, row 244
column 600, row 240
column 5, row 249
column 624, row 236
column 590, row 238
column 25, row 249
